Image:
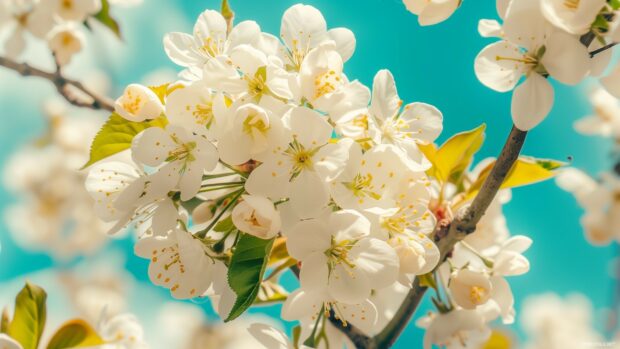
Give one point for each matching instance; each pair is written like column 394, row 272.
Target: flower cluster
column 60, row 23
column 266, row 156
column 544, row 39
column 600, row 198
column 269, row 138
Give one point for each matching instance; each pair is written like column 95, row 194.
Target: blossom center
column 338, row 254
column 203, row 113
column 476, row 294
column 301, row 157
column 326, row 83
column 362, row 187
column 212, row 47
column 571, row 4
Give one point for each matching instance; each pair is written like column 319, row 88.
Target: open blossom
column 432, row 11
column 303, row 29
column 300, row 170
column 416, row 123
column 454, row 329
column 178, row 262
column 184, row 157
column 209, row 40
column 257, row 216
column 605, row 120
column 572, row 16
column 65, row 41
column 249, row 73
column 71, row 10
column 250, row 132
column 532, row 48
column 122, row 331
column 271, row 338
column 138, row 103
column 337, row 254
column 19, row 18
column 193, row 106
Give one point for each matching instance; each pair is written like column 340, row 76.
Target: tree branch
column 447, row 234
column 89, row 100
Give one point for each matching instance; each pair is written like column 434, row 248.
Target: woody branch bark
column 73, row 91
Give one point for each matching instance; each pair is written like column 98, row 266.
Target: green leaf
column 428, row 281
column 615, row 4
column 116, row 135
column 29, row 316
column 104, row 17
column 525, row 171
column 455, row 155
column 296, row 335
column 225, row 225
column 246, row 270
column 75, row 334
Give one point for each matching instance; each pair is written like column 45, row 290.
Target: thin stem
column 218, row 175
column 91, row 100
column 240, row 173
column 236, row 197
column 206, row 189
column 602, row 49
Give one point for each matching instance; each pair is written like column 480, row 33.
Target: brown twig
column 63, row 85
column 602, row 49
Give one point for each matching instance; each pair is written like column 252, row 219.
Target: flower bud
column 257, row 216
column 202, row 213
column 138, row 103
column 470, row 288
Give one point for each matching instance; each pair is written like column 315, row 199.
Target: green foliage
column 455, row 155
column 29, row 316
column 75, row 334
column 225, row 225
column 104, row 17
column 116, row 135
column 246, row 270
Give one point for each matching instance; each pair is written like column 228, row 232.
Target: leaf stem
column 236, row 197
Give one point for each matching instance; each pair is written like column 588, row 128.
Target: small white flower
column 179, row 262
column 302, row 170
column 368, row 177
column 337, row 254
column 71, row 10
column 138, row 103
column 417, row 253
column 250, row 132
column 454, row 330
column 194, row 106
column 606, row 118
column 432, row 11
column 470, row 288
column 21, row 17
column 257, row 216
column 184, row 157
column 249, row 74
column 65, row 41
column 122, row 331
column 208, row 41
column 122, row 195
column 532, row 48
column 306, row 305
column 572, row 16
column 272, row 338
column 417, row 123
column 304, row 28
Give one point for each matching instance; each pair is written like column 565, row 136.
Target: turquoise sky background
column 430, row 64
